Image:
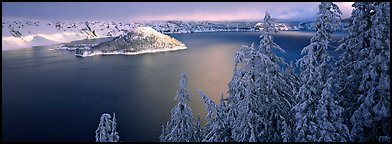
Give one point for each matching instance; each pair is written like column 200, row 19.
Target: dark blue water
column 50, row 95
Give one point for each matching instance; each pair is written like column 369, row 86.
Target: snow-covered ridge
column 138, row 41
column 99, row 29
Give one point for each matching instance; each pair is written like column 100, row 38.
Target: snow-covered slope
column 41, row 41
column 137, row 41
column 17, row 34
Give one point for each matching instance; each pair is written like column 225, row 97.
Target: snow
column 106, row 131
column 66, row 31
column 138, row 41
column 182, row 125
column 267, row 102
column 364, row 79
column 97, row 53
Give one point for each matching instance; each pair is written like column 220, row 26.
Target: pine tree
column 198, row 135
column 114, row 137
column 287, row 132
column 209, row 129
column 224, row 121
column 277, row 88
column 260, row 93
column 106, row 131
column 252, row 133
column 182, row 125
column 364, row 82
column 350, row 46
column 317, row 114
column 248, row 119
column 217, row 128
column 245, row 97
column 292, row 80
column 234, row 92
column 329, row 117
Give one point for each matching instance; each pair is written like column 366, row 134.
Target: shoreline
column 99, row 53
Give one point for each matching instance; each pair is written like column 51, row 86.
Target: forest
column 331, row 100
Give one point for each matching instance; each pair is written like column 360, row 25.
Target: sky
column 147, row 11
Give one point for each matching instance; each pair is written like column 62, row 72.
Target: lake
column 50, row 95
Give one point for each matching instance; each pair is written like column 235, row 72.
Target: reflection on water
column 54, row 96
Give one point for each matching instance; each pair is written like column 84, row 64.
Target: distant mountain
column 41, row 41
column 167, row 27
column 95, row 29
column 138, row 40
column 310, row 25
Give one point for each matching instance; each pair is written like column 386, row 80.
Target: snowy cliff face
column 139, row 40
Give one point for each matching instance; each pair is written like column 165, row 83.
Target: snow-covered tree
column 217, row 128
column 245, row 97
column 114, row 137
column 223, row 119
column 182, row 125
column 102, row 134
column 260, row 95
column 287, row 132
column 292, row 80
column 276, row 88
column 210, row 134
column 253, row 137
column 106, row 131
column 329, row 117
column 248, row 117
column 318, row 117
column 234, row 92
column 364, row 82
column 198, row 135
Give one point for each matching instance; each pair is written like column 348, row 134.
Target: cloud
column 205, row 16
column 10, row 42
column 346, row 8
column 303, row 14
column 133, row 11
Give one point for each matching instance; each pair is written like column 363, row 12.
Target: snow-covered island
column 137, row 41
column 83, row 44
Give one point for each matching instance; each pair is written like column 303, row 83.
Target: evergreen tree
column 210, row 135
column 106, row 131
column 245, row 97
column 198, row 136
column 217, row 128
column 364, row 82
column 234, row 92
column 292, row 80
column 114, row 137
column 224, row 121
column 182, row 125
column 260, row 93
column 318, row 117
column 329, row 117
column 277, row 89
